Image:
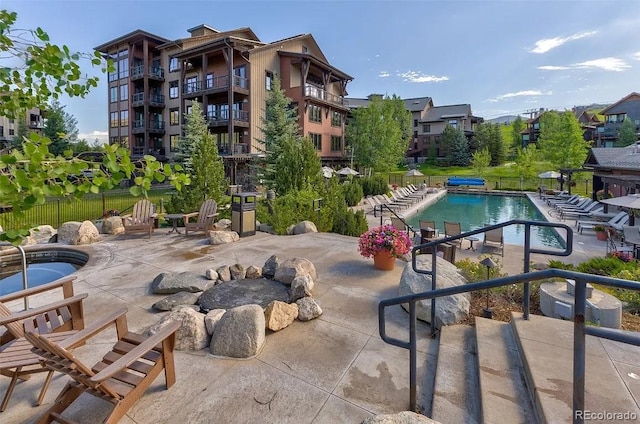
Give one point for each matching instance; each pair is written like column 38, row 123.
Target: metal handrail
column 25, row 282
column 580, row 328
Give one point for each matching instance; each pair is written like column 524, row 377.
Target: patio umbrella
column 347, row 171
column 550, row 174
column 632, row 201
column 327, row 172
column 413, row 173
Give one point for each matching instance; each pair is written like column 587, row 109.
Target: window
column 113, row 94
column 336, row 143
column 1, row 131
column 453, row 123
column 173, row 90
column 174, row 64
column 426, row 128
column 174, row 116
column 415, row 122
column 240, row 76
column 316, row 139
column 211, row 112
column 123, row 67
column 114, row 120
column 113, row 140
column 536, row 126
column 173, row 142
column 12, row 131
column 210, row 80
column 191, row 85
column 124, row 118
column 189, row 109
column 315, row 113
column 268, row 80
column 336, row 119
column 124, row 92
column 415, row 134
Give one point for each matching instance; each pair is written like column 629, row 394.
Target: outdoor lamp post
column 488, row 262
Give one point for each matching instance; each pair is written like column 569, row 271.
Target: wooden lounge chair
column 205, row 217
column 494, row 238
column 123, row 374
column 453, row 229
column 141, row 219
column 58, row 320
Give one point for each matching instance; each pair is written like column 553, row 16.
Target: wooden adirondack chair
column 123, row 374
column 141, row 219
column 58, row 320
column 205, row 217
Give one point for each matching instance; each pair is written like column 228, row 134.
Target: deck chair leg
column 45, row 386
column 62, row 402
column 12, row 385
column 167, row 358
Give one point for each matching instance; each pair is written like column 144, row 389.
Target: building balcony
column 153, row 72
column 321, row 94
column 240, row 118
column 36, row 124
column 215, row 85
column 155, row 100
column 154, row 127
column 224, row 149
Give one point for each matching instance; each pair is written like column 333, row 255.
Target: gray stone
column 42, row 233
column 245, row 292
column 404, row 417
column 112, row 225
column 240, row 333
column 169, row 283
column 294, row 267
column 67, row 231
column 290, row 229
column 279, row 315
column 449, row 309
column 87, row 233
column 223, row 237
column 192, row 334
column 211, row 274
column 265, row 228
column 176, row 299
column 300, row 287
column 212, row 318
column 224, row 274
column 253, row 272
column 304, row 227
column 223, row 224
column 308, row 309
column 270, row 266
column 192, row 307
column 237, row 272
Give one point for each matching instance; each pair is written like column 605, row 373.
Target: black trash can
column 243, row 213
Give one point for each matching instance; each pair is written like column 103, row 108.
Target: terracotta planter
column 601, row 235
column 384, row 261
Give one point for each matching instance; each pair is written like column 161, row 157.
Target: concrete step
column 455, row 393
column 503, row 394
column 612, row 382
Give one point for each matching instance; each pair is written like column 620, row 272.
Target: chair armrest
column 186, row 216
column 92, row 329
column 213, row 215
column 137, row 352
column 35, row 290
column 20, row 316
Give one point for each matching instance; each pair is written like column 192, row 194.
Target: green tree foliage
column 561, row 141
column 291, row 162
column 380, row 133
column 374, row 185
column 525, row 161
column 517, row 126
column 203, row 165
column 352, row 192
column 22, row 133
column 480, row 161
column 60, row 127
column 488, row 136
column 457, row 146
column 627, row 134
column 46, row 71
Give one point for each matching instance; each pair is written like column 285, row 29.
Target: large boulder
column 242, row 292
column 169, row 283
column 240, row 333
column 291, row 268
column 404, row 417
column 304, row 227
column 223, row 237
column 192, row 334
column 176, row 299
column 308, row 309
column 67, row 230
column 224, row 274
column 449, row 309
column 42, row 233
column 279, row 315
column 212, row 318
column 300, row 287
column 86, row 233
column 112, row 225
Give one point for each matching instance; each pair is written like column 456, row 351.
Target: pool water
column 37, row 275
column 474, row 211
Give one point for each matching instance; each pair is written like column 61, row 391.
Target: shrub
column 474, row 271
column 375, row 185
column 352, row 193
column 349, row 223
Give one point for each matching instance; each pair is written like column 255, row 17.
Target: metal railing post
column 527, row 267
column 413, row 358
column 579, row 346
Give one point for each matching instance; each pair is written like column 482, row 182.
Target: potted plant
column 384, row 244
column 601, row 232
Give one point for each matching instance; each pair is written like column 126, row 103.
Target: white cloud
column 413, row 76
column 522, row 93
column 383, row 74
column 101, row 136
column 554, row 68
column 636, row 56
column 608, row 64
column 546, row 44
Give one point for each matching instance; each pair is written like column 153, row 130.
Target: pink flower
column 382, row 238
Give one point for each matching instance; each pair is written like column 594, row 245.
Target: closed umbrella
column 413, row 173
column 347, row 171
column 550, row 174
column 327, row 172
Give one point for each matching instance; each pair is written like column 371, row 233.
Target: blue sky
column 502, row 57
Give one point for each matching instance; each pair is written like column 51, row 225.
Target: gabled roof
column 632, row 96
column 418, row 104
column 441, row 113
column 133, row 36
column 620, row 158
column 317, row 61
column 214, row 36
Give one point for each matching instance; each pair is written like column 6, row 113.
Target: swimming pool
column 473, row 211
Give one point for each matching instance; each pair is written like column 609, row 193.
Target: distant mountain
column 505, row 120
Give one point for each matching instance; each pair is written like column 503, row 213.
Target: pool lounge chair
column 586, row 211
column 568, row 201
column 620, row 219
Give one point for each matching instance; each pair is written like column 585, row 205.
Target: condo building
column 230, row 73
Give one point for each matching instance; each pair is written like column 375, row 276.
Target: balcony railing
column 319, row 93
column 216, row 83
column 154, row 126
column 36, row 124
column 222, row 117
column 154, row 72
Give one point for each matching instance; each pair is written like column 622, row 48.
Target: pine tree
column 627, row 134
column 517, row 126
column 457, row 145
column 60, row 127
column 194, row 129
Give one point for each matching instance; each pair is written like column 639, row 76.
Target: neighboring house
column 614, row 115
column 230, row 73
column 589, row 123
column 428, row 123
column 616, row 169
column 531, row 133
column 33, row 119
